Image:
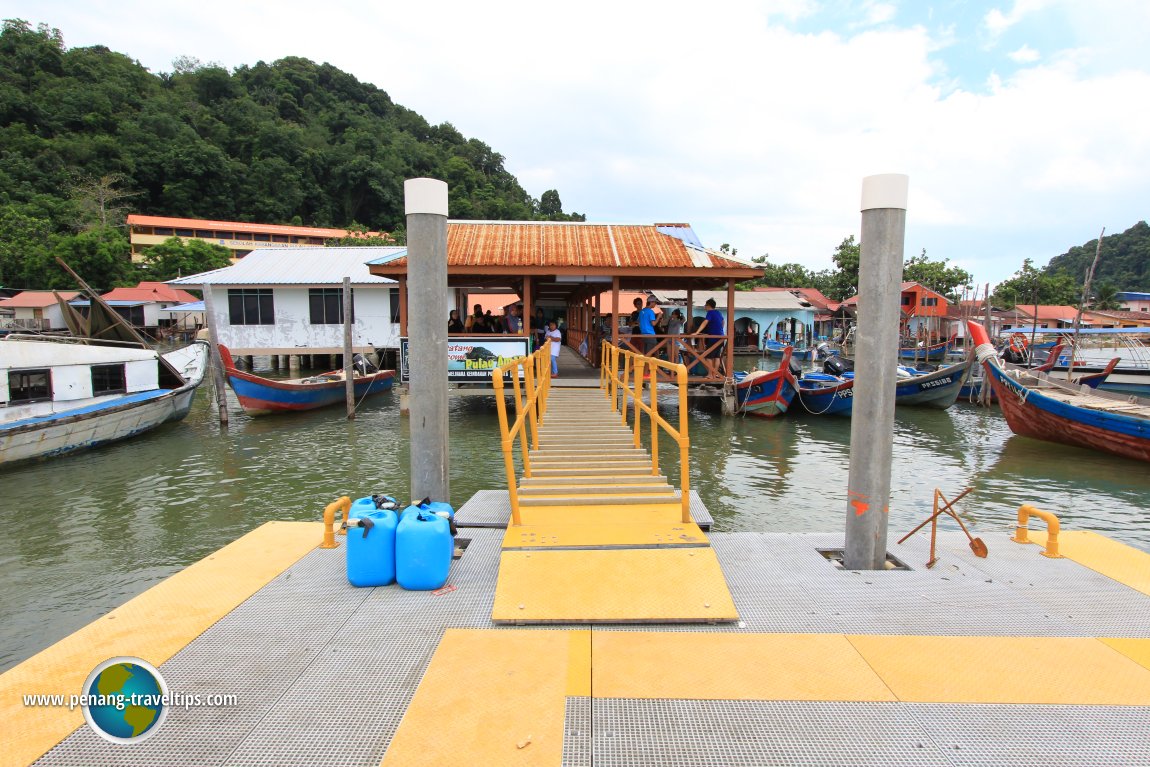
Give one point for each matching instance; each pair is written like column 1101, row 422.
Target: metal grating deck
column 325, row 671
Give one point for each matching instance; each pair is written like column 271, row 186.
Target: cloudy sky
column 1024, row 125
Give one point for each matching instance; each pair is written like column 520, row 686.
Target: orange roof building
column 157, row 292
column 238, row 236
column 36, row 310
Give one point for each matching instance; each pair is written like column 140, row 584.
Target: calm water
column 89, row 531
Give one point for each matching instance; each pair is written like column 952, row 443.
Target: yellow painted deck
column 587, row 551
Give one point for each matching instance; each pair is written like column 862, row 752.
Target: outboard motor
column 796, row 368
column 362, row 366
column 836, row 366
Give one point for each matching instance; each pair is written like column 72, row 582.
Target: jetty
column 597, row 615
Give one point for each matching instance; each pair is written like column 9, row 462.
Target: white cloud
column 757, row 135
column 998, row 22
column 1024, row 55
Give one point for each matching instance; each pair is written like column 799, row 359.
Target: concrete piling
column 876, row 366
column 426, row 208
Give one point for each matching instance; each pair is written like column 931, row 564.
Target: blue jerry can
column 361, row 507
column 371, row 548
column 423, row 550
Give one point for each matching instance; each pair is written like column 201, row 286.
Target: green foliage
column 1124, row 261
column 175, row 258
column 1105, row 297
column 358, row 235
column 84, row 129
column 844, row 282
column 936, row 275
column 1030, row 286
column 101, row 256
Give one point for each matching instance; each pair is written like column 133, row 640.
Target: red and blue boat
column 1041, row 407
column 262, row 396
column 925, row 352
column 766, row 393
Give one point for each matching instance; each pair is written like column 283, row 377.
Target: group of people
column 646, row 323
column 481, row 322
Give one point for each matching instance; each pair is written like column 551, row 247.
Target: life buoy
column 1018, row 343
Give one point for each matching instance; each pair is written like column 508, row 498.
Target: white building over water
column 289, row 301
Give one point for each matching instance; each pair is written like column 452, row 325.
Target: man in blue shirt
column 647, row 325
column 712, row 325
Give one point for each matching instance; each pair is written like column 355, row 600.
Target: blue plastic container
column 371, row 549
column 361, row 507
column 423, row 550
column 437, row 507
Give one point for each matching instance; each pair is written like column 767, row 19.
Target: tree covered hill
column 87, row 134
column 1124, row 261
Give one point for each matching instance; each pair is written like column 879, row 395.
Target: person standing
column 556, row 343
column 713, row 326
column 475, row 322
column 647, row 321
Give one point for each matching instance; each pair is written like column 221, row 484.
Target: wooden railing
column 531, row 383
column 624, row 377
column 702, row 356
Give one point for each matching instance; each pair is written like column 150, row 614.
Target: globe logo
column 125, row 700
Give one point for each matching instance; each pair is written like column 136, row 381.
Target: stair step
column 595, row 500
column 634, row 479
column 562, row 463
column 605, row 472
column 652, row 488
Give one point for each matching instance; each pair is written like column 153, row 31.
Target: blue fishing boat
column 935, row 388
column 826, row 394
column 1039, row 406
column 776, row 349
column 766, row 393
column 261, row 396
column 925, row 352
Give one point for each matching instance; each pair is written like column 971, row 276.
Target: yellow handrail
column 637, row 370
column 1025, row 512
column 530, row 405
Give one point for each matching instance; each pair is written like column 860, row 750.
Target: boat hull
column 1030, row 413
column 766, row 395
column 932, row 353
column 938, row 389
column 835, row 399
column 263, row 396
column 100, row 423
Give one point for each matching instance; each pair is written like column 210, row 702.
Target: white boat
column 65, row 394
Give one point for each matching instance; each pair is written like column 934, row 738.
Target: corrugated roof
column 237, row 226
column 813, row 295
column 1048, row 312
column 148, row 292
column 36, row 299
column 295, row 266
column 744, row 299
column 567, row 244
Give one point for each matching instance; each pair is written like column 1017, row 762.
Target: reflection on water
column 96, row 528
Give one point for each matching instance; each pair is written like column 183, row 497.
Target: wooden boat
column 925, row 352
column 775, row 350
column 766, row 393
column 938, row 388
column 1096, row 349
column 65, row 394
column 1040, row 406
column 826, row 394
column 262, row 396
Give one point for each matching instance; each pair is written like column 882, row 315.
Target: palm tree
column 1106, row 297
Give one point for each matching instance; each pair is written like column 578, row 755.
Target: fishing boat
column 924, row 352
column 262, row 396
column 1040, row 406
column 776, row 349
column 936, row 388
column 826, row 394
column 766, row 393
column 63, row 394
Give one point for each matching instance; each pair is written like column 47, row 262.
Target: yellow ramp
column 612, row 586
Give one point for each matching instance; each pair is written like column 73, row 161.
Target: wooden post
column 217, row 362
column 615, row 314
column 528, row 311
column 348, row 367
column 731, row 327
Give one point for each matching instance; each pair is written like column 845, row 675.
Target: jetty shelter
column 290, row 302
column 572, row 264
column 36, row 310
column 758, row 315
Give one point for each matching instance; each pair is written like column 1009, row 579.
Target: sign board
column 470, row 359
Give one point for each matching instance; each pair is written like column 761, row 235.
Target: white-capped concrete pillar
column 876, row 366
column 426, row 208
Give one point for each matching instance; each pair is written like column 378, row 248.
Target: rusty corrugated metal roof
column 491, row 244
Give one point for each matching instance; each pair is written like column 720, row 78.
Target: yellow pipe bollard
column 340, row 504
column 1025, row 512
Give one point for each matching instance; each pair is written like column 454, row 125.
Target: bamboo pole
column 1085, row 297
